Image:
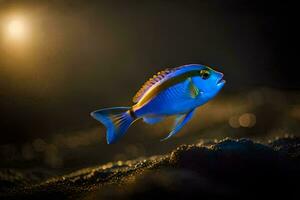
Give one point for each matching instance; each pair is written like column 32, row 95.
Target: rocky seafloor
column 222, row 169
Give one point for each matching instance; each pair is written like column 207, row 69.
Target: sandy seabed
column 221, row 169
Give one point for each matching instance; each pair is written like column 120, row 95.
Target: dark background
column 86, row 55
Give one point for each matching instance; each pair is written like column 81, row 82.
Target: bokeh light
column 234, row 122
column 247, row 120
column 16, row 28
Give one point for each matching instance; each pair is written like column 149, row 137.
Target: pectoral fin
column 180, row 121
column 194, row 91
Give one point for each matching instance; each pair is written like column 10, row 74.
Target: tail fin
column 116, row 120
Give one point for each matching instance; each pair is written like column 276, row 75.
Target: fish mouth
column 221, row 81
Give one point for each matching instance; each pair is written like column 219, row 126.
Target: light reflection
column 234, row 122
column 16, row 29
column 246, row 120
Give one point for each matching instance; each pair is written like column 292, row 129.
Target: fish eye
column 204, row 74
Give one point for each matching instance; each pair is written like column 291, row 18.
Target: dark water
column 80, row 56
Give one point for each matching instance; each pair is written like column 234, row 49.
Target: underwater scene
column 148, row 100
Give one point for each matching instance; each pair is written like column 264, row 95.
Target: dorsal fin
column 156, row 78
column 164, row 76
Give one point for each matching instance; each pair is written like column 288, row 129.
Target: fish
column 175, row 92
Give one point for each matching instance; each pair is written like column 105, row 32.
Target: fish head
column 211, row 82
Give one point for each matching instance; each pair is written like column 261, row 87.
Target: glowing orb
column 16, row 29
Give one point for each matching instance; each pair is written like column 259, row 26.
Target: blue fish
column 171, row 92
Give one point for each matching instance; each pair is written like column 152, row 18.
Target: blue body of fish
column 177, row 91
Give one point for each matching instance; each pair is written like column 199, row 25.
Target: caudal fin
column 116, row 120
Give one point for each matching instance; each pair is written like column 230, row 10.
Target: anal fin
column 180, row 121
